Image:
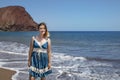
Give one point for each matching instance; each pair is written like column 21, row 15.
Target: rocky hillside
column 16, row 18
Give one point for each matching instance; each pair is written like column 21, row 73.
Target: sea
column 76, row 55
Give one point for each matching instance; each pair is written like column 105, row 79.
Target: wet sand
column 6, row 74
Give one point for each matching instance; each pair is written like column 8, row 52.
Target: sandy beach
column 6, row 74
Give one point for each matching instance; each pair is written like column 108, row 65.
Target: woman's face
column 42, row 29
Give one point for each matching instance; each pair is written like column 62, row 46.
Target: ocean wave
column 64, row 66
column 102, row 59
column 13, row 47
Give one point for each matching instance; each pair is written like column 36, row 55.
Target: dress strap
column 33, row 37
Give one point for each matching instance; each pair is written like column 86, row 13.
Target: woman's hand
column 28, row 63
column 49, row 65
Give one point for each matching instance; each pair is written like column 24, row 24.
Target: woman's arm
column 30, row 51
column 49, row 53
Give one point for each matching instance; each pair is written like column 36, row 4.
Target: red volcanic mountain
column 16, row 18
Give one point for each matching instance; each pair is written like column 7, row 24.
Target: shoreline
column 6, row 74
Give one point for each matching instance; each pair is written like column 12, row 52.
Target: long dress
column 39, row 60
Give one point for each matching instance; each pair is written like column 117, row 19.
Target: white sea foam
column 3, row 51
column 70, row 66
column 14, row 47
column 67, row 57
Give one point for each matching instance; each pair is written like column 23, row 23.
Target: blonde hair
column 47, row 34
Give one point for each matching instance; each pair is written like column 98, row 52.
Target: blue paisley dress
column 39, row 60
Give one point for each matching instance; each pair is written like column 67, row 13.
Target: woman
column 39, row 60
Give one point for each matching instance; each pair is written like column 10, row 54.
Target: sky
column 72, row 15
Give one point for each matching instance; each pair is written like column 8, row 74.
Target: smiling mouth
column 42, row 31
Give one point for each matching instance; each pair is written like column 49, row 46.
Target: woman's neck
column 40, row 36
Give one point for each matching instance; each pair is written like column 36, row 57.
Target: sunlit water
column 80, row 60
